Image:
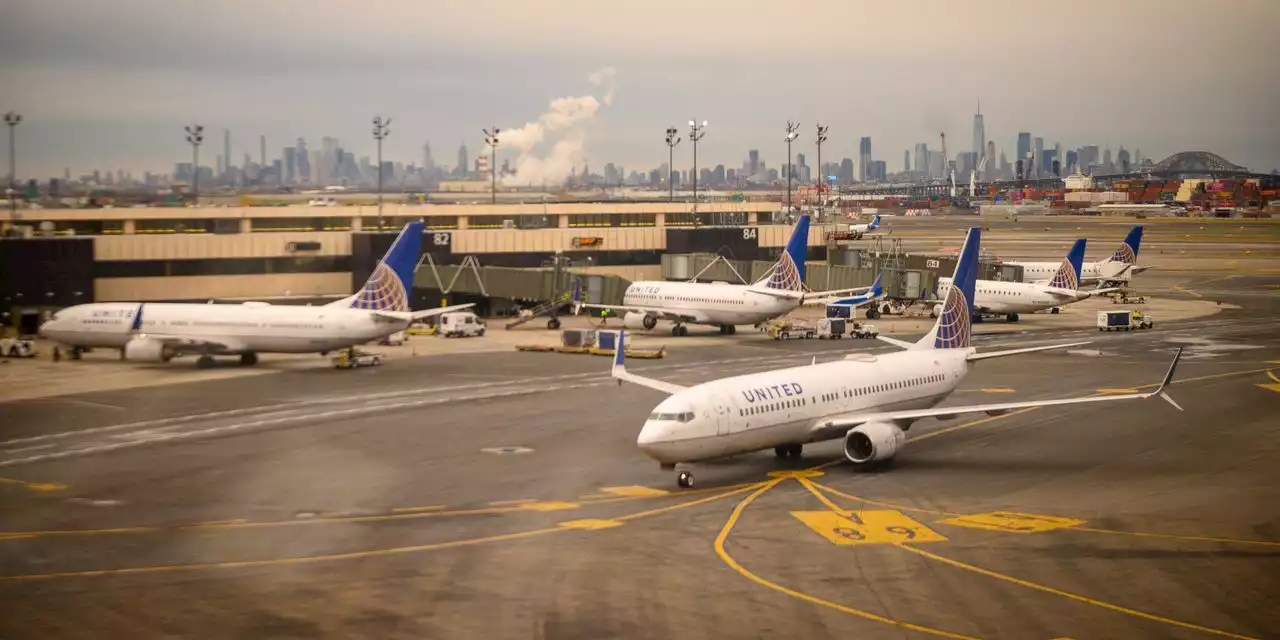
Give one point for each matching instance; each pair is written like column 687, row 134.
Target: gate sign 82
column 750, row 233
column 441, row 238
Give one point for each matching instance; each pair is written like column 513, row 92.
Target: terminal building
column 62, row 257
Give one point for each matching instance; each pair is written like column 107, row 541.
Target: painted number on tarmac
column 1012, row 522
column 867, row 527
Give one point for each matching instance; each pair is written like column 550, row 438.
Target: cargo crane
column 947, row 166
column 973, row 187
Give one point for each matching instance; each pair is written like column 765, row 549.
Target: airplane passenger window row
column 900, row 384
column 766, row 408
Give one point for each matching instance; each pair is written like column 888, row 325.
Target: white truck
column 1123, row 320
column 460, row 324
column 21, row 347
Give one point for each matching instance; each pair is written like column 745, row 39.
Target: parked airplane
column 859, row 230
column 868, row 400
column 1114, row 271
column 722, row 304
column 161, row 331
column 996, row 297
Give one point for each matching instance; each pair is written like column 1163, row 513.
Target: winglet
column 620, row 356
column 1168, row 379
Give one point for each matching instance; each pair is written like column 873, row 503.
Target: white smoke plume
column 563, row 122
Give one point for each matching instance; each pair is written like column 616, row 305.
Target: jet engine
column 635, row 320
column 873, row 441
column 146, row 349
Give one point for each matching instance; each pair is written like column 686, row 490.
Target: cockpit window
column 686, row 416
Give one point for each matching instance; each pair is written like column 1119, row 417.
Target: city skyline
column 118, row 98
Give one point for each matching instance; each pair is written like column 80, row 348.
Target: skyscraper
column 1038, row 149
column 463, row 167
column 864, row 158
column 303, row 173
column 753, row 162
column 1057, row 155
column 226, row 149
column 906, row 161
column 846, row 170
column 979, row 133
column 922, row 159
column 290, row 166
column 1024, row 146
column 262, row 150
column 992, row 169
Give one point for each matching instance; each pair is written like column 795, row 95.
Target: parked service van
column 460, row 324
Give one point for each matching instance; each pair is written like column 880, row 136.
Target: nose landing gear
column 684, row 480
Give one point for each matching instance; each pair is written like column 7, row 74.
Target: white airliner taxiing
column 158, row 332
column 859, row 230
column 997, row 297
column 868, row 400
column 1114, row 271
column 721, row 304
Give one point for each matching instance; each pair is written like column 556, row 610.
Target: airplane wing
column 620, row 372
column 195, row 344
column 832, row 425
column 672, row 315
column 427, row 313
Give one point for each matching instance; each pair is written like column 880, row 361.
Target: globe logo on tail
column 1066, row 278
column 786, row 276
column 1125, row 254
column 953, row 323
column 383, row 292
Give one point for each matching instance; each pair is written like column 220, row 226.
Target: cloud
column 564, row 118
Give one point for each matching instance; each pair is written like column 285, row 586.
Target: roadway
column 501, row 495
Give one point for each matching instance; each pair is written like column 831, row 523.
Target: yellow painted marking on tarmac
column 591, row 524
column 1117, row 392
column 34, row 486
column 334, row 514
column 1272, row 375
column 357, row 554
column 1013, row 522
column 15, row 536
column 434, row 507
column 1066, row 594
column 998, row 390
column 635, row 491
column 507, row 503
column 1270, row 387
column 729, row 560
column 867, row 527
column 796, row 473
column 549, row 506
column 214, row 523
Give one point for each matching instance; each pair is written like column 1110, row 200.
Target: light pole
column 12, row 119
column 491, row 139
column 822, row 137
column 380, row 131
column 672, row 140
column 695, row 134
column 195, row 135
column 791, row 135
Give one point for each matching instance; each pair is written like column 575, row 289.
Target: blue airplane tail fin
column 1068, row 275
column 1128, row 251
column 952, row 330
column 788, row 273
column 389, row 286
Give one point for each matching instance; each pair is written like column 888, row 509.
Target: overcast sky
column 110, row 84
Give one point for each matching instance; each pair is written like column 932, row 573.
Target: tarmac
column 495, row 494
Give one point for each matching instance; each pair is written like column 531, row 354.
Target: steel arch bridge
column 1197, row 162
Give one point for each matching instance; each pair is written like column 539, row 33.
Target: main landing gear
column 679, row 330
column 205, row 362
column 248, row 359
column 1012, row 317
column 788, row 450
column 728, row 329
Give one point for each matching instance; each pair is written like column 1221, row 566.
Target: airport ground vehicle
column 396, row 339
column 786, row 330
column 864, row 331
column 20, row 347
column 348, row 360
column 831, row 328
column 460, row 325
column 1123, row 320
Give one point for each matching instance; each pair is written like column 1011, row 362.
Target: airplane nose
column 650, row 434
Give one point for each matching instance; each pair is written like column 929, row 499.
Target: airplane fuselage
column 710, row 303
column 257, row 328
column 1090, row 272
column 759, row 411
column 995, row 296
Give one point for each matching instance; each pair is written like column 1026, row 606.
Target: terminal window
column 441, row 222
column 172, row 226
